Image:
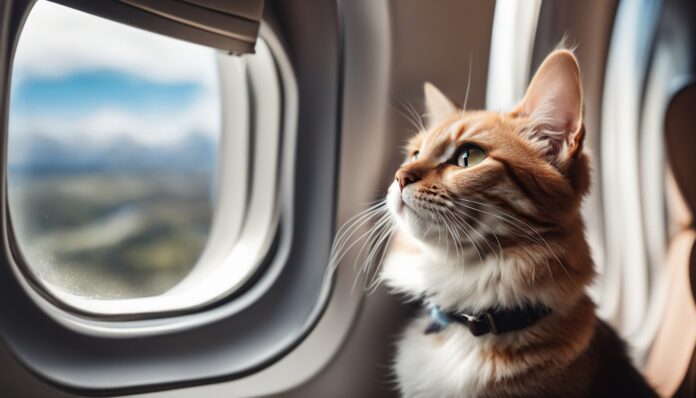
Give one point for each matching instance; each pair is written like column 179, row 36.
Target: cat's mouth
column 414, row 202
column 403, row 201
column 417, row 216
column 394, row 200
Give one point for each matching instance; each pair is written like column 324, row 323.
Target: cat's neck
column 552, row 271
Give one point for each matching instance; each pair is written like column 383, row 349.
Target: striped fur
column 506, row 232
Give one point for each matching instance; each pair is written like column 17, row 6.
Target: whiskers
column 467, row 229
column 480, row 227
column 520, row 229
column 466, row 239
column 369, row 232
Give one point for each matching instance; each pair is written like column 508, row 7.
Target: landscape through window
column 112, row 154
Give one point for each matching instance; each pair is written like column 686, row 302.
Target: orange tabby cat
column 490, row 237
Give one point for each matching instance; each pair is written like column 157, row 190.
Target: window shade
column 230, row 25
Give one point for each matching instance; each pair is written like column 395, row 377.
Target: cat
column 491, row 239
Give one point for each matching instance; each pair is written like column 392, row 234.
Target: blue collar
column 495, row 321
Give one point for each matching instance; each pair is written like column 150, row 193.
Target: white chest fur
column 450, row 363
column 447, row 364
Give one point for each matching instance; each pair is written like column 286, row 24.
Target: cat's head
column 486, row 176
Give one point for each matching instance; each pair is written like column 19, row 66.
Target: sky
column 81, row 77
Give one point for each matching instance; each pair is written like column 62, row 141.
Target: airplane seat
column 671, row 364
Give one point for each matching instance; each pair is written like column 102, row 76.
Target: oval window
column 112, row 154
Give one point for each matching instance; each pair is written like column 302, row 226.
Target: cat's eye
column 414, row 156
column 470, row 155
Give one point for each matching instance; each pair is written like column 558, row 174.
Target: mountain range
column 37, row 153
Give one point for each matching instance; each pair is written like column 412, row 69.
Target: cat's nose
column 405, row 177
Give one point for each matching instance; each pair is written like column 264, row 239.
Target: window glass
column 112, row 153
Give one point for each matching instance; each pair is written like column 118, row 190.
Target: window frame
column 631, row 291
column 284, row 302
column 245, row 220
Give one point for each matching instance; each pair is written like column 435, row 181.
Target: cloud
column 57, row 40
column 84, row 92
column 109, row 123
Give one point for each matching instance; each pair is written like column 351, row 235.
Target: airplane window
column 113, row 152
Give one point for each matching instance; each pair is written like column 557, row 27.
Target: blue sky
column 68, row 85
column 83, row 92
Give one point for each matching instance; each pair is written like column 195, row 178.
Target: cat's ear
column 553, row 104
column 438, row 107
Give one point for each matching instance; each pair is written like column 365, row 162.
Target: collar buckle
column 494, row 321
column 491, row 322
column 481, row 324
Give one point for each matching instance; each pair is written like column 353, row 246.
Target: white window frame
column 290, row 309
column 233, row 253
column 244, row 220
